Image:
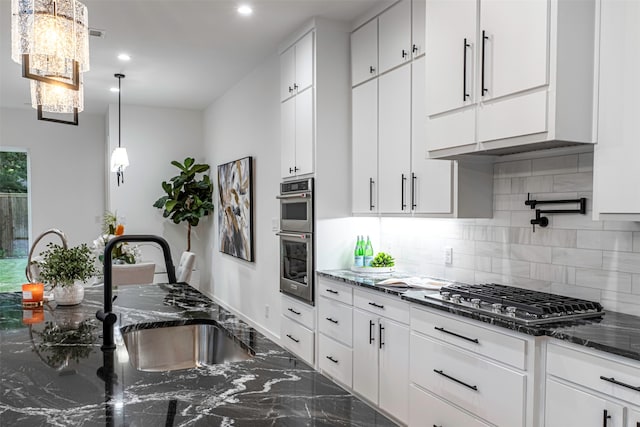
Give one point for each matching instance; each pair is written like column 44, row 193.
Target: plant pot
column 69, row 295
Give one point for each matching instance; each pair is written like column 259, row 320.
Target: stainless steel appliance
column 296, row 239
column 516, row 304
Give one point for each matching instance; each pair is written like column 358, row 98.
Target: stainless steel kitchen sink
column 171, row 348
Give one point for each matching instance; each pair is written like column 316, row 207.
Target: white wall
column 245, row 121
column 574, row 255
column 153, row 138
column 67, row 174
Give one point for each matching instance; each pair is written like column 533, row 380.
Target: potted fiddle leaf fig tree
column 189, row 195
column 65, row 270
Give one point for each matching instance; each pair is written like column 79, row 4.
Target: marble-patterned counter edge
column 367, row 282
column 592, row 333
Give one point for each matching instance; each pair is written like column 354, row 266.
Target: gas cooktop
column 516, row 304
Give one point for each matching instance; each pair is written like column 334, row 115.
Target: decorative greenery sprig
column 63, row 267
column 383, row 260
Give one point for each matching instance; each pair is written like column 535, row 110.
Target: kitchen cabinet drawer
column 298, row 311
column 496, row 345
column 336, row 360
column 602, row 374
column 490, row 391
column 427, row 410
column 298, row 339
column 391, row 308
column 633, row 418
column 336, row 320
column 336, row 291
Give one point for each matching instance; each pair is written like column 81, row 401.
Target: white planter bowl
column 69, row 295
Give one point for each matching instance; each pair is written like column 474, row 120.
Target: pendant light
column 119, row 158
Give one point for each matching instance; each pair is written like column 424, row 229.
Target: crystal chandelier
column 50, row 38
column 119, row 158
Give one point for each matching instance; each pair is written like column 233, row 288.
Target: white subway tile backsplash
column 549, row 272
column 510, row 267
column 512, row 169
column 608, row 240
column 621, row 261
column 585, row 162
column 602, row 279
column 555, row 165
column 540, row 254
column 577, row 257
column 581, row 181
column 574, row 255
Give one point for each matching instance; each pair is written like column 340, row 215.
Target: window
column 14, row 219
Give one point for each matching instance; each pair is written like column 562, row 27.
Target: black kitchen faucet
column 106, row 316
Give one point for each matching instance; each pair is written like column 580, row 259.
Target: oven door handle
column 300, row 236
column 294, row 196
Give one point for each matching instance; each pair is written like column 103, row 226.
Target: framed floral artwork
column 235, row 211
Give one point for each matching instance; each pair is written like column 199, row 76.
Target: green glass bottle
column 368, row 253
column 358, row 252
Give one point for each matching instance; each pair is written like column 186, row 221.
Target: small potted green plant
column 65, row 270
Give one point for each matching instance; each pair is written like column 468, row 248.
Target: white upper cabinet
column 364, row 130
column 364, row 52
column 616, row 194
column 394, row 145
column 417, row 27
column 394, row 27
column 504, row 75
column 296, row 67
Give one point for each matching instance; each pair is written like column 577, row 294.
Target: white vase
column 69, row 295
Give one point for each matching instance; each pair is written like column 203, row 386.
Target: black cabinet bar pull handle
column 332, row 321
column 413, row 190
column 616, row 382
column 403, row 204
column 371, row 182
column 292, row 338
column 290, row 170
column 465, row 95
column 295, row 86
column 436, row 426
column 372, row 69
column 414, row 48
column 472, row 387
column 474, row 340
column 331, row 291
column 332, row 359
column 404, row 53
column 605, row 418
column 376, row 305
column 380, row 342
column 290, row 89
column 293, row 311
column 371, row 338
column 484, row 39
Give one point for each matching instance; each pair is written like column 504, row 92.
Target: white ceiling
column 185, row 53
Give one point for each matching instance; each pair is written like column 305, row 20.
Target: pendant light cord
column 120, row 172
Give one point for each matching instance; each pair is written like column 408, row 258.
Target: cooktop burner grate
column 533, row 302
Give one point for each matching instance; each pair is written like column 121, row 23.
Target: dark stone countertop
column 47, row 379
column 615, row 333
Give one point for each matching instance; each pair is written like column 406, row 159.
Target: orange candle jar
column 32, row 295
column 33, row 316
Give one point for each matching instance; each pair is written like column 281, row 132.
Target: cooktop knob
column 511, row 311
column 475, row 302
column 445, row 295
column 496, row 307
column 455, row 298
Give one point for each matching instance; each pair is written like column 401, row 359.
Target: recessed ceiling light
column 124, row 57
column 245, row 10
column 114, row 89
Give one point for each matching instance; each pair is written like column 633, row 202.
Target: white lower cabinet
column 569, row 406
column 425, row 409
column 381, row 353
column 469, row 374
column 297, row 328
column 588, row 388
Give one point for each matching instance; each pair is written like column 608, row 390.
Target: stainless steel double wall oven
column 296, row 239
